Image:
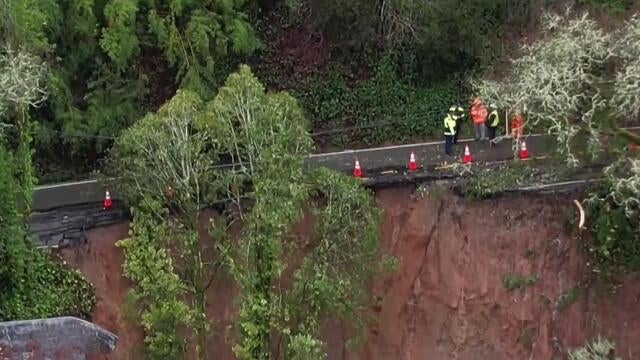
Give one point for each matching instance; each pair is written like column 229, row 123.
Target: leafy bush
column 435, row 38
column 31, row 284
column 615, row 245
column 411, row 111
column 513, row 282
column 46, row 289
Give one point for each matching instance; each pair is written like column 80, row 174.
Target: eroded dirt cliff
column 447, row 300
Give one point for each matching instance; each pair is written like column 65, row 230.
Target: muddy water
column 447, row 299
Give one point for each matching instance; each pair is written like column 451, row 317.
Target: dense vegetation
column 156, row 88
column 590, row 93
column 111, row 62
column 289, row 283
column 31, row 285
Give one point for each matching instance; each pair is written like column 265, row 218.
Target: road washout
column 447, row 299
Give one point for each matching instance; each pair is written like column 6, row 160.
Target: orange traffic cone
column 107, row 203
column 412, row 162
column 524, row 153
column 357, row 172
column 466, row 158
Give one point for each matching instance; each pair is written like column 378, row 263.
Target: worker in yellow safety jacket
column 459, row 113
column 492, row 123
column 449, row 132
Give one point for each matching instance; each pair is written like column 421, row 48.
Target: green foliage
column 614, row 6
column 193, row 36
column 332, row 279
column 158, row 288
column 266, row 133
column 30, row 23
column 31, row 285
column 490, row 181
column 598, row 349
column 164, row 165
column 513, row 282
column 119, row 39
column 112, row 61
column 164, row 151
column 569, row 59
column 266, row 136
column 437, row 38
column 616, row 237
column 41, row 288
column 411, row 111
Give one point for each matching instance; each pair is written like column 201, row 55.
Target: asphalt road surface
column 427, row 154
column 63, row 212
column 373, row 160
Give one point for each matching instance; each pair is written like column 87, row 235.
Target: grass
column 513, row 282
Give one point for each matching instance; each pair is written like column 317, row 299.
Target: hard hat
column 493, row 106
column 453, row 108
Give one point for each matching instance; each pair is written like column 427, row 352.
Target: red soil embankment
column 447, row 300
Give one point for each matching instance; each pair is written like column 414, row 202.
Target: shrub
column 46, row 289
column 513, row 282
column 598, row 349
column 615, row 245
column 377, row 105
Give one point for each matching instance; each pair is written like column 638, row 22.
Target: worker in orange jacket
column 517, row 126
column 479, row 117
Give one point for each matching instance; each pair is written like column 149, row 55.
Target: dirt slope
column 447, row 300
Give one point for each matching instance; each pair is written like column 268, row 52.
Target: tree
column 264, row 137
column 435, row 38
column 163, row 157
column 266, row 134
column 31, row 285
column 157, row 285
column 163, row 162
column 109, row 62
column 578, row 83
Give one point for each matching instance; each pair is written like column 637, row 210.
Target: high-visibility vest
column 494, row 119
column 450, row 125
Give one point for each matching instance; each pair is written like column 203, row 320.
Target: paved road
column 427, row 154
column 373, row 160
column 63, row 212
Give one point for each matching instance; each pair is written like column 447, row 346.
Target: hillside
column 449, row 298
